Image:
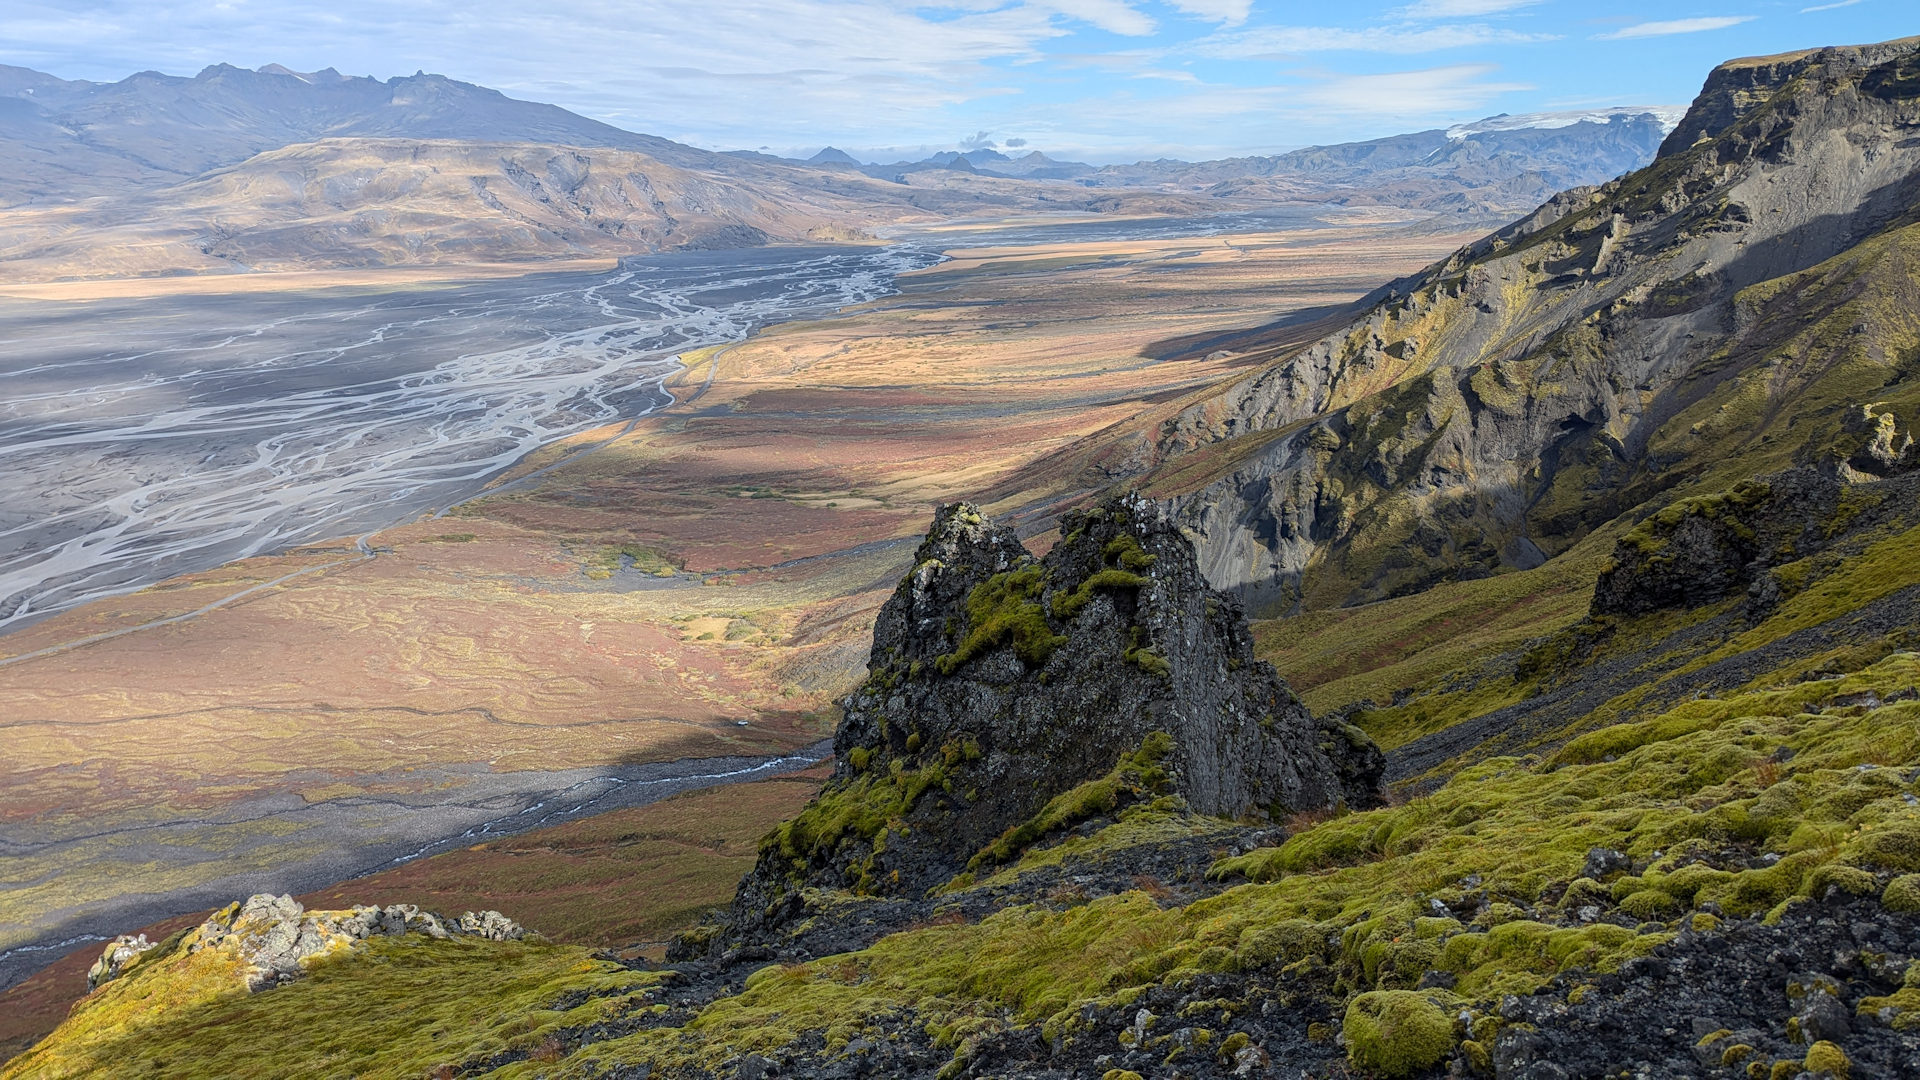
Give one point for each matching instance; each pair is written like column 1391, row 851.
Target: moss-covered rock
column 1010, row 697
column 1902, row 893
column 1827, row 1059
column 1397, row 1033
column 1701, row 548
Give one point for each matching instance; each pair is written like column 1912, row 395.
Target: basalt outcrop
column 1700, row 549
column 1003, row 688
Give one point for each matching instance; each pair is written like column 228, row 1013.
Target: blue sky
column 1099, row 80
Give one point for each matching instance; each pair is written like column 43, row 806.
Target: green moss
column 1902, row 893
column 639, row 557
column 1003, row 609
column 393, row 1007
column 1845, row 878
column 1137, row 776
column 1125, row 551
column 1650, row 536
column 1827, row 1058
column 1068, row 604
column 1894, row 845
column 1397, row 1032
column 1146, row 657
column 1900, row 1009
column 1650, row 905
column 862, row 808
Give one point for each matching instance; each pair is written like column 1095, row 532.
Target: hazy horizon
column 1092, row 80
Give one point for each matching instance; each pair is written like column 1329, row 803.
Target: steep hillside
column 1718, row 876
column 1727, row 311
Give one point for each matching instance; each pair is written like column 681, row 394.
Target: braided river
column 140, row 439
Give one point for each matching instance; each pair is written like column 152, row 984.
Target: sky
column 1091, row 80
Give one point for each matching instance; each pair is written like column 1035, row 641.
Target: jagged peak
column 999, row 681
column 1735, row 88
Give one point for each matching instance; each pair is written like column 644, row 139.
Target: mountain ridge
column 1502, row 404
column 114, row 179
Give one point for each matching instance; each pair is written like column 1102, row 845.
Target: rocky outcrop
column 1732, row 300
column 1701, row 549
column 273, row 939
column 1873, row 444
column 1737, row 88
column 119, row 955
column 1001, row 684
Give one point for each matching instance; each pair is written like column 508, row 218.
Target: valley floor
column 700, row 586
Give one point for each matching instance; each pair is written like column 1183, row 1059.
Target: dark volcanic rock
column 1168, row 654
column 999, row 681
column 1698, row 550
column 1768, row 990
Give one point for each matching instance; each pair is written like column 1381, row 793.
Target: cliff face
column 1002, row 684
column 1724, row 312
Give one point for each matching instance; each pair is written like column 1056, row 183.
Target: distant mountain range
column 236, row 169
column 73, row 139
column 1502, row 164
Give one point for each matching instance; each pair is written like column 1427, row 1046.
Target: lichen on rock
column 120, row 954
column 274, row 939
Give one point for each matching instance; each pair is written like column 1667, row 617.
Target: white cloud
column 1828, row 7
column 1113, row 16
column 1453, row 89
column 744, row 72
column 1674, row 26
column 1454, row 9
column 1270, row 42
column 1229, row 12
